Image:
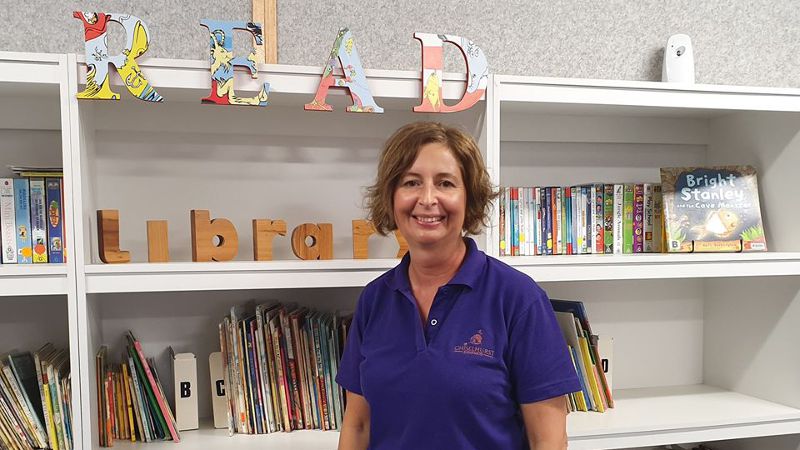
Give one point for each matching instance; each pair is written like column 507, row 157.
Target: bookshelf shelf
column 190, row 276
column 44, row 279
column 207, row 437
column 655, row 266
column 657, row 416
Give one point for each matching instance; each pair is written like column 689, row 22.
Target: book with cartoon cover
column 712, row 209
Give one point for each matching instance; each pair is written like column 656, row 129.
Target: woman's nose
column 428, row 195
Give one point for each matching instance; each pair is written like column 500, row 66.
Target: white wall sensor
column 678, row 60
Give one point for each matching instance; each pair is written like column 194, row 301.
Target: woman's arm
column 355, row 426
column 545, row 423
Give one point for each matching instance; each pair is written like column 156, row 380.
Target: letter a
column 354, row 79
column 98, row 85
column 433, row 63
column 222, row 63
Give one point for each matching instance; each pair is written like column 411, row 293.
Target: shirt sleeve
column 349, row 374
column 540, row 364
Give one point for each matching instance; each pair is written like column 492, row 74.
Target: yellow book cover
column 51, row 433
column 126, row 381
column 579, row 400
column 587, row 362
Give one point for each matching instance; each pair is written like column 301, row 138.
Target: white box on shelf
column 219, row 401
column 184, row 371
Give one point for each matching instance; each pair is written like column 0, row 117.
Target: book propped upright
column 164, row 413
column 712, row 209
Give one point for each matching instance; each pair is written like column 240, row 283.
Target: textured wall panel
column 750, row 42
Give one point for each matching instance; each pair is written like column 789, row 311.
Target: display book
column 709, row 209
column 35, row 398
column 280, row 363
column 591, row 357
column 32, row 216
column 130, row 397
column 694, row 209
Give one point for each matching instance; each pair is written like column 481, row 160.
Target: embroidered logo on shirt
column 474, row 346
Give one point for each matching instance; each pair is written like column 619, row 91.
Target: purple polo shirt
column 491, row 343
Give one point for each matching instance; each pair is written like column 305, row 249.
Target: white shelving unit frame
column 33, row 83
column 725, row 122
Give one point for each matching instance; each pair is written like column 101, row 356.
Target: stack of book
column 131, row 400
column 573, row 220
column 280, row 363
column 32, row 216
column 587, row 352
column 35, row 399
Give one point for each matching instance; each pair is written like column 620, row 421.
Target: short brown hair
column 398, row 155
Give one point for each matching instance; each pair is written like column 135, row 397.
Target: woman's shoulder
column 515, row 288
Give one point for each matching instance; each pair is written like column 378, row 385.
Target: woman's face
column 430, row 200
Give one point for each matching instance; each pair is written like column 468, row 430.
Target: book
column 153, row 390
column 22, row 204
column 55, row 219
column 8, row 225
column 712, row 209
column 38, row 220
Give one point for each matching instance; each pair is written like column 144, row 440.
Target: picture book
column 712, row 209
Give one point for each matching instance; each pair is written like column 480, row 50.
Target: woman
column 451, row 349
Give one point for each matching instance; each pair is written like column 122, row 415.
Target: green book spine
column 627, row 219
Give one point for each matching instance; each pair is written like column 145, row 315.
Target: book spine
column 627, row 220
column 598, row 227
column 648, row 218
column 608, row 218
column 588, row 231
column 638, row 218
column 8, row 233
column 619, row 213
column 38, row 220
column 508, row 222
column 159, row 399
column 658, row 219
column 22, row 203
column 55, row 217
column 558, row 222
column 501, row 224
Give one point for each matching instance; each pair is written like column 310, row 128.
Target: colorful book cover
column 627, row 219
column 712, row 209
column 7, row 221
column 658, row 219
column 599, row 227
column 159, row 403
column 38, row 220
column 588, row 214
column 638, row 218
column 22, row 202
column 619, row 207
column 570, row 250
column 501, row 229
column 648, row 218
column 55, row 215
column 548, row 220
column 608, row 218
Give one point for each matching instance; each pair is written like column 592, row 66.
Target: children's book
column 712, row 209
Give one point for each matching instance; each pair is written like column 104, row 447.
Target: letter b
column 186, row 389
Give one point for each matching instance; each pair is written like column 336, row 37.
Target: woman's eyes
column 442, row 183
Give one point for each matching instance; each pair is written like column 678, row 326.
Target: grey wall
column 746, row 42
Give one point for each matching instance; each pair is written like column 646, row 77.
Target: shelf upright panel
column 38, row 85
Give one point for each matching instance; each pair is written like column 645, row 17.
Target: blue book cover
column 22, row 203
column 55, row 218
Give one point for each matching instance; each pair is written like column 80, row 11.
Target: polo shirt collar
column 467, row 274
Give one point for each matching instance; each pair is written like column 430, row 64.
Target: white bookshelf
column 38, row 301
column 702, row 343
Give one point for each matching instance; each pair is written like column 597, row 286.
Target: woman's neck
column 435, row 266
